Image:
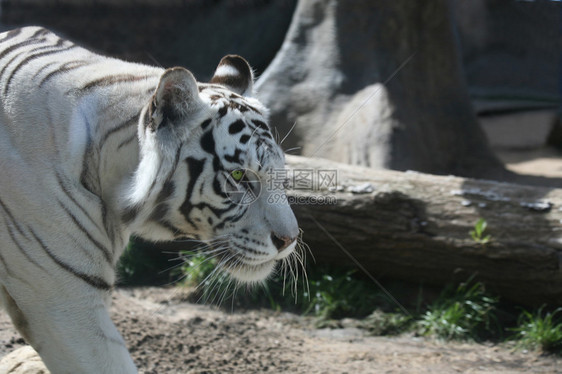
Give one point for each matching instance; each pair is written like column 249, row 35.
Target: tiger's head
column 210, row 169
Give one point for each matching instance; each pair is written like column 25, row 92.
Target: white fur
column 226, row 70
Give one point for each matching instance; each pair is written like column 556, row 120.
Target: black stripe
column 111, row 80
column 222, row 111
column 7, row 64
column 236, row 126
column 22, row 250
column 22, row 233
column 44, row 67
column 253, row 109
column 27, row 60
column 92, row 280
column 169, row 226
column 216, row 211
column 240, row 107
column 109, row 228
column 32, row 50
column 130, row 213
column 195, row 169
column 5, row 265
column 159, row 212
column 20, row 45
column 239, row 216
column 147, row 116
column 217, row 188
column 151, row 188
column 85, row 177
column 234, row 82
column 121, row 126
column 236, row 217
column 174, row 166
column 217, row 165
column 127, row 141
column 71, row 198
column 64, row 68
column 206, row 123
column 167, row 190
column 208, row 142
column 11, row 217
column 106, row 252
column 262, row 125
column 11, row 34
column 235, row 158
column 11, row 274
column 42, row 31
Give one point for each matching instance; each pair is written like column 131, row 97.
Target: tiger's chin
column 252, row 273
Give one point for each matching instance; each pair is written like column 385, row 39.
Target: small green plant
column 540, row 330
column 478, row 233
column 466, row 313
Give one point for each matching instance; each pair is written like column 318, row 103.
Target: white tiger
column 94, row 149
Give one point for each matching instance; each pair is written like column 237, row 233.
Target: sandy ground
column 542, row 162
column 165, row 334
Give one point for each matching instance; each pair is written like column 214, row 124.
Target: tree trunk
column 415, row 227
column 379, row 84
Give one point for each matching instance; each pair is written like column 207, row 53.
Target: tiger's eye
column 237, row 174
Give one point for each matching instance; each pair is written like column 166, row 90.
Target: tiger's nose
column 281, row 242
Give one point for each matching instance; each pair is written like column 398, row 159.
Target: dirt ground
column 165, row 334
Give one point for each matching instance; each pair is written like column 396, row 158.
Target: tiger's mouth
column 248, row 264
column 249, row 273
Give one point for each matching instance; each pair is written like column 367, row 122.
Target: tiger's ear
column 235, row 74
column 176, row 97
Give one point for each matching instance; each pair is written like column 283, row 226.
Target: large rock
column 23, row 360
column 376, row 83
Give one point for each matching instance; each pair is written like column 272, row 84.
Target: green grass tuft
column 540, row 330
column 467, row 313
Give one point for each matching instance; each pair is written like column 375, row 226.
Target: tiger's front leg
column 72, row 331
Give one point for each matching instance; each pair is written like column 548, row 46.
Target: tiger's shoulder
column 73, row 92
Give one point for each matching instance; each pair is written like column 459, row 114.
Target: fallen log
column 415, row 227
